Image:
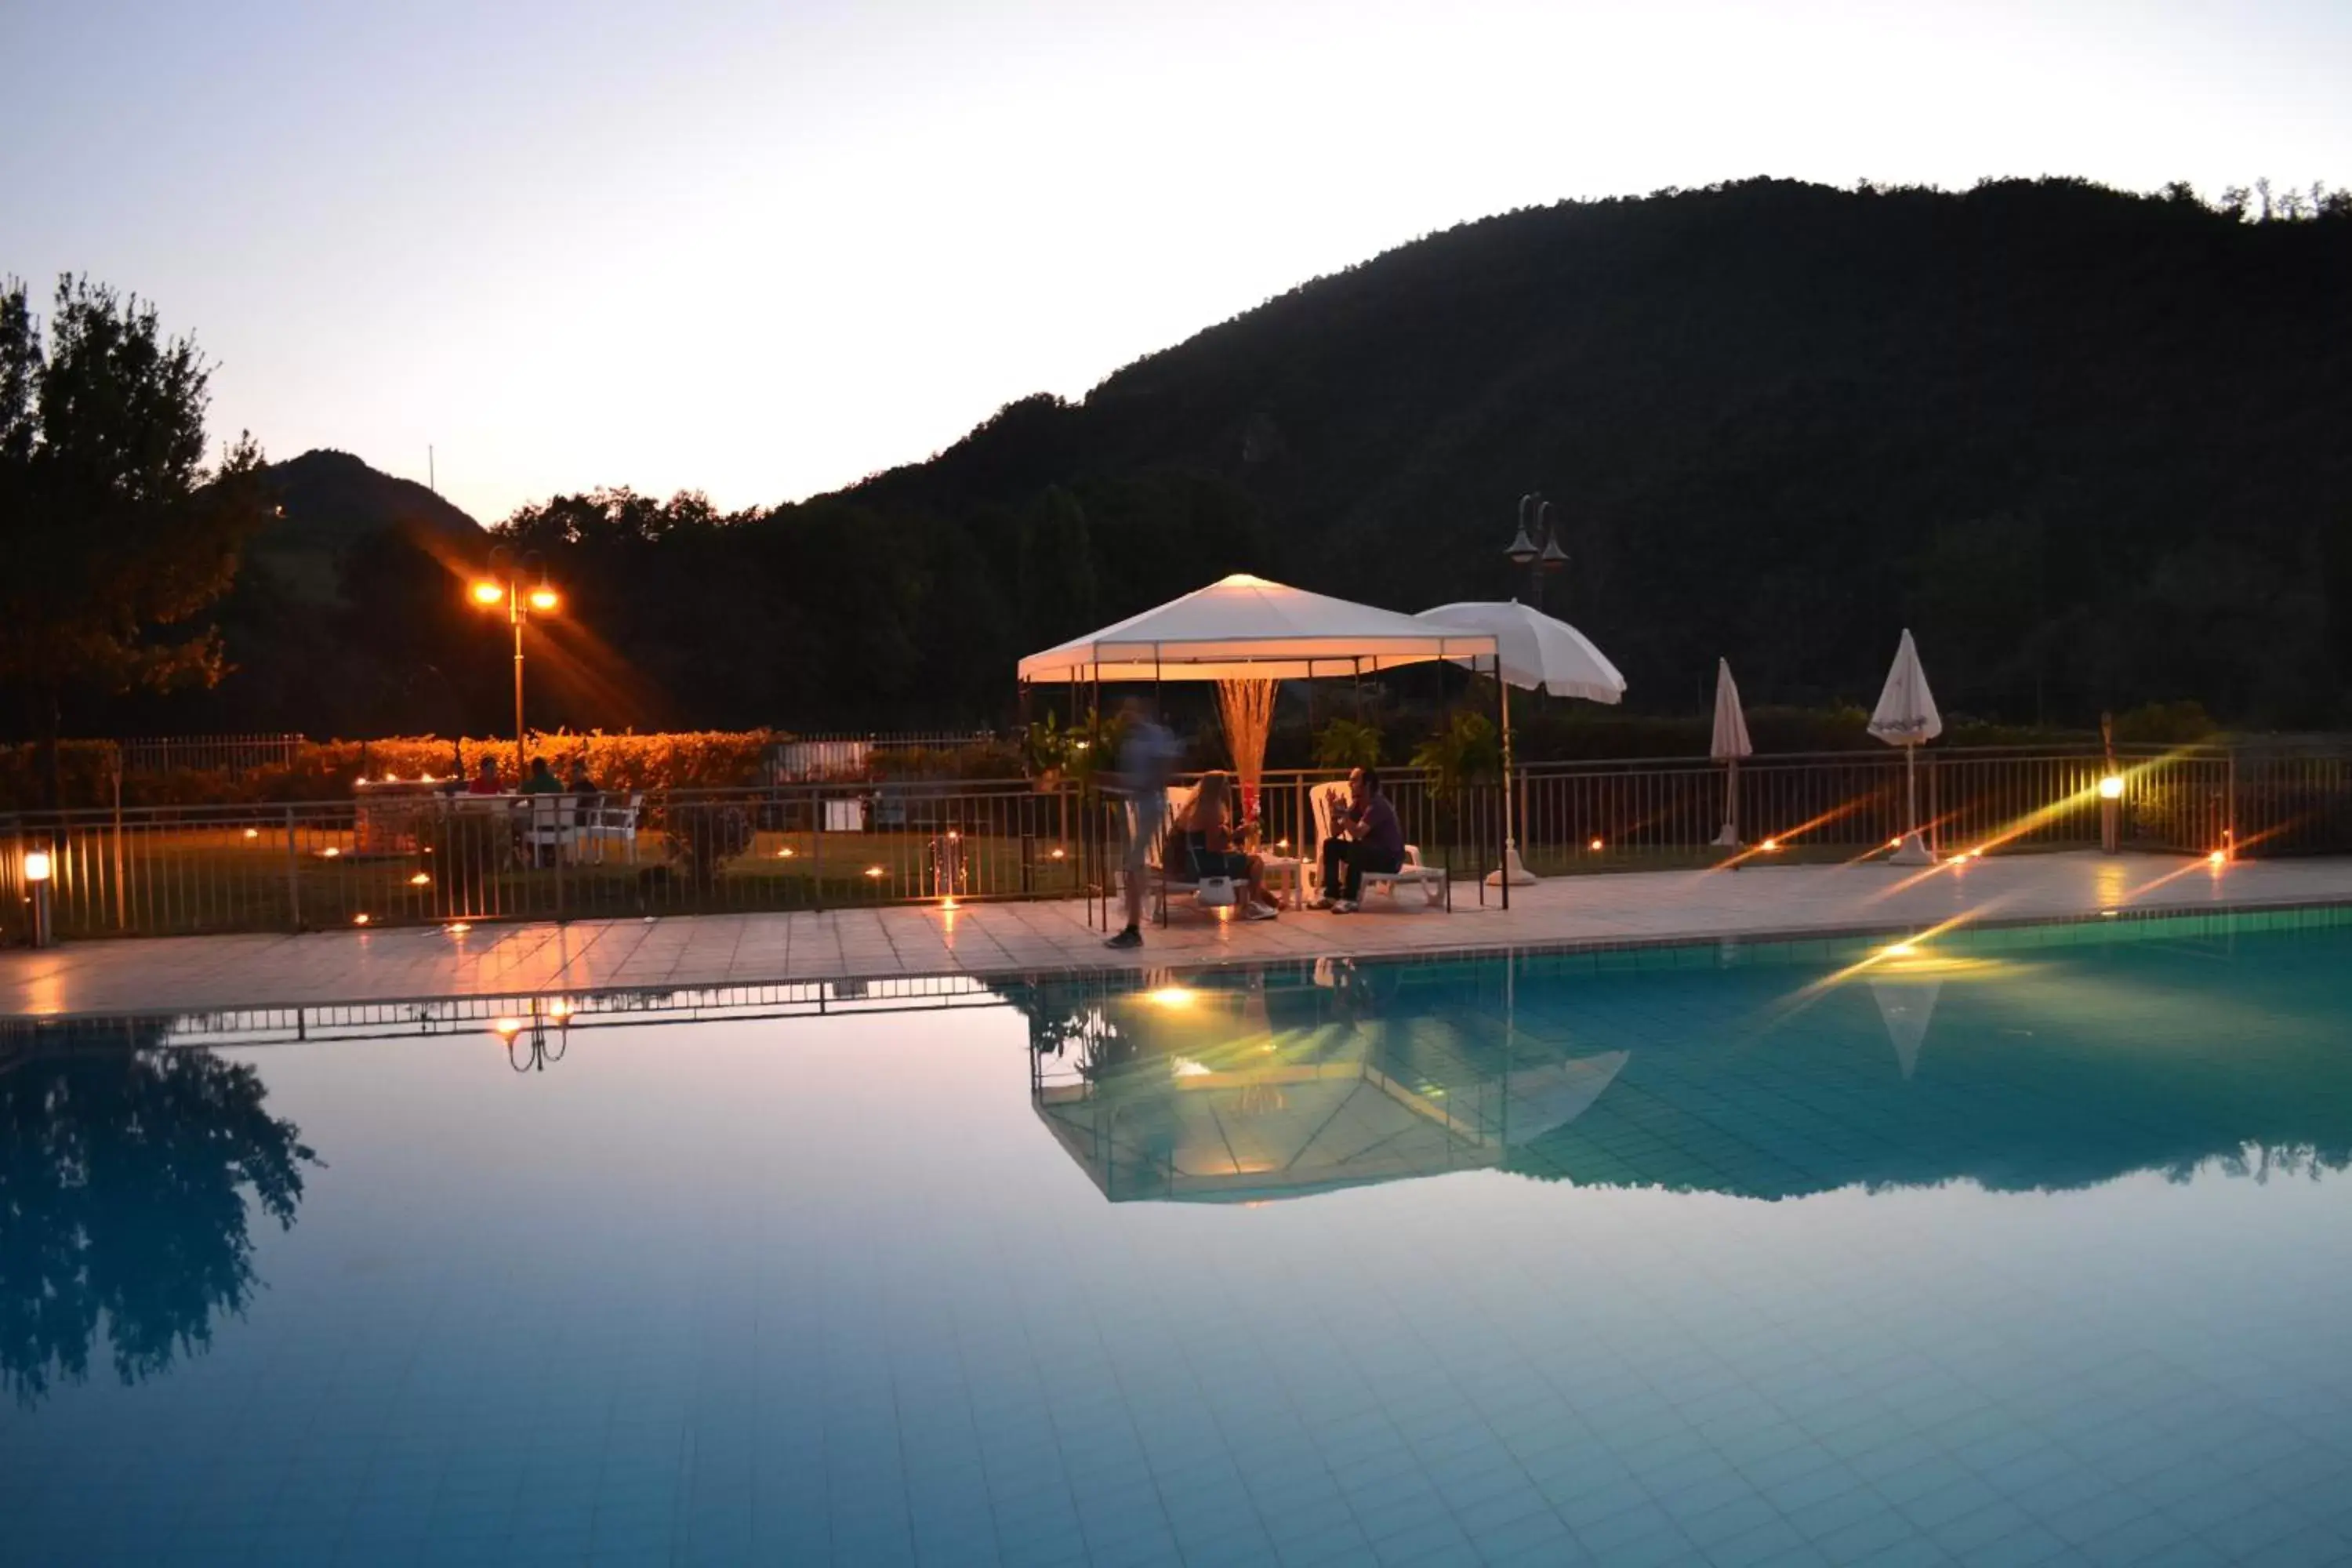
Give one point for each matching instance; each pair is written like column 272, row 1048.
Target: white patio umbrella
column 1728, row 744
column 1907, row 1005
column 1536, row 653
column 1539, row 653
column 1906, row 717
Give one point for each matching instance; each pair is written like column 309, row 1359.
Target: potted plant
column 1045, row 752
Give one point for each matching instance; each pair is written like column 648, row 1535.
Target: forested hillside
column 2090, row 445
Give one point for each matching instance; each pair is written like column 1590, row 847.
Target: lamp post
column 1539, row 560
column 504, row 586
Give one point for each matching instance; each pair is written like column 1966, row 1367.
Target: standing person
column 1374, row 841
column 1145, row 760
column 486, row 780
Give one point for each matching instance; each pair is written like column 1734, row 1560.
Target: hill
column 331, row 502
column 2087, row 444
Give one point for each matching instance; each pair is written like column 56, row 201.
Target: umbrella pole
column 1511, row 873
column 1913, row 852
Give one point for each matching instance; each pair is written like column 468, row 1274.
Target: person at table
column 581, row 785
column 1209, row 836
column 486, row 780
column 1365, row 836
column 541, row 779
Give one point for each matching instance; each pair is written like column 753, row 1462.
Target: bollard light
column 37, row 864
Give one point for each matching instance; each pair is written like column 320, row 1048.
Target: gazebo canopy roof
column 1246, row 628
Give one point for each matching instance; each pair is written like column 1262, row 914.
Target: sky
column 762, row 249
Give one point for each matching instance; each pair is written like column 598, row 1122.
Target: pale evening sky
column 761, row 249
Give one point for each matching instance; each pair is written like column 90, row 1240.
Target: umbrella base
column 1520, row 876
column 1912, row 852
column 1728, row 838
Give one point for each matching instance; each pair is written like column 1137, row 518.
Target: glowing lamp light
column 2219, row 858
column 331, row 852
column 488, row 594
column 559, row 1009
column 506, row 1028
column 875, row 871
column 1894, row 844
column 359, row 920
column 542, row 599
column 2112, row 788
column 948, row 904
column 1594, row 845
column 786, row 853
column 1900, row 950
column 253, row 833
column 1058, row 854
column 421, row 879
column 1172, row 996
column 458, row 928
column 37, row 864
column 1770, row 845
column 953, row 835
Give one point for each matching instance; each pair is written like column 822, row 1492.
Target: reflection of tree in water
column 124, row 1184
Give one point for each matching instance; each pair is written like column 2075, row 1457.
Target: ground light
column 36, row 865
column 253, row 833
column 2112, row 788
column 1770, row 845
column 2219, row 858
column 359, row 920
column 421, row 879
column 1594, row 845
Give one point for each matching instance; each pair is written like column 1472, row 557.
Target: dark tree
column 128, row 1178
column 116, row 536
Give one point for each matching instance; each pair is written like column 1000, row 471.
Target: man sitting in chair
column 1366, row 836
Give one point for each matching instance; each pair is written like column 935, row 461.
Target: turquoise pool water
column 2020, row 1247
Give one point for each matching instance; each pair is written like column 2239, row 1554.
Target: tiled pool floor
column 2029, row 1247
column 982, row 938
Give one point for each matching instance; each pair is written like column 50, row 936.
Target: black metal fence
column 414, row 859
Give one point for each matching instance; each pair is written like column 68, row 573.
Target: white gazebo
column 1247, row 635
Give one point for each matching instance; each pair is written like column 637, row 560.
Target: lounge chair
column 1327, row 800
column 1208, row 892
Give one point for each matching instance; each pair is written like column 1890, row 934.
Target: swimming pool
column 2013, row 1247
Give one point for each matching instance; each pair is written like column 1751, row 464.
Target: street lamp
column 1539, row 560
column 504, row 585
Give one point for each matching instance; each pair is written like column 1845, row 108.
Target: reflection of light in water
column 1172, row 996
column 1185, row 1066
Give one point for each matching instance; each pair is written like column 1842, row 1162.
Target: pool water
column 2019, row 1247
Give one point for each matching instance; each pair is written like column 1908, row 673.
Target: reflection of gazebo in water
column 1194, row 1095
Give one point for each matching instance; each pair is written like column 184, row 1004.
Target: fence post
column 816, row 841
column 122, row 919
column 293, row 876
column 2230, row 805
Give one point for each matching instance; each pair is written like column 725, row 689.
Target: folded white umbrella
column 1728, row 744
column 1906, row 717
column 1538, row 653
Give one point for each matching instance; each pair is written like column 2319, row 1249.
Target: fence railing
column 208, row 754
column 412, row 858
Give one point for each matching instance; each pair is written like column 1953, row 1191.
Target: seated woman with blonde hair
column 1208, row 828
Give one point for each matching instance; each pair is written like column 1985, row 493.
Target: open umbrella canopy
column 1538, row 653
column 1730, row 739
column 1906, row 714
column 1246, row 628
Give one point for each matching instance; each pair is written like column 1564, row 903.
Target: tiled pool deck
column 192, row 973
